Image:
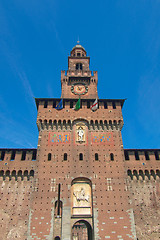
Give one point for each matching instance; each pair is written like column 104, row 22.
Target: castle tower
column 81, row 174
column 79, row 183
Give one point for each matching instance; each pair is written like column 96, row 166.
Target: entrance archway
column 57, row 238
column 81, row 230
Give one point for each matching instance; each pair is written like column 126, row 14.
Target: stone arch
column 57, row 238
column 82, row 229
column 80, row 127
column 58, row 206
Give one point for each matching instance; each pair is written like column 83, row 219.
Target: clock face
column 79, row 89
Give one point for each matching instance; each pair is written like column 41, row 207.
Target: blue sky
column 122, row 37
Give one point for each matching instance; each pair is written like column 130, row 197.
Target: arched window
column 58, row 209
column 20, row 173
column 129, row 173
column 81, row 156
column 13, row 173
column 25, row 173
column 79, row 66
column 1, row 173
column 96, row 156
column 65, row 157
column 32, row 173
column 111, row 156
column 49, row 156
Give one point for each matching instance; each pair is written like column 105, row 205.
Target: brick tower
column 79, row 184
column 80, row 171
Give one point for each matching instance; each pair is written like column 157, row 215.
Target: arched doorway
column 57, row 238
column 81, row 230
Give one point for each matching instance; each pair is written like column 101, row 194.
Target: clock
column 79, row 88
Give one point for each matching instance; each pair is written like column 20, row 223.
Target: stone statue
column 80, row 134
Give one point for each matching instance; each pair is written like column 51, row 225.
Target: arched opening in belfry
column 79, row 66
column 81, row 230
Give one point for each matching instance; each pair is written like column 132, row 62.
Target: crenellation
column 142, row 155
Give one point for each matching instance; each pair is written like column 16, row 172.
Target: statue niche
column 80, row 133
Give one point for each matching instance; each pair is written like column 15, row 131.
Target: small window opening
column 71, row 104
column 158, row 173
column 13, row 155
column 147, row 174
column 19, row 173
column 45, row 104
column 23, row 156
column 7, row 173
column 88, row 104
column 54, row 104
column 14, row 173
column 105, row 105
column 111, row 156
column 147, row 156
column 129, row 173
column 79, row 66
column 1, row 173
column 49, row 156
column 126, row 155
column 65, row 157
column 114, row 105
column 81, row 156
column 25, row 173
column 34, row 153
column 96, row 156
column 32, row 173
column 156, row 155
column 136, row 155
column 2, row 155
column 78, row 54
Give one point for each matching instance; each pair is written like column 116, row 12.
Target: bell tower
column 79, row 81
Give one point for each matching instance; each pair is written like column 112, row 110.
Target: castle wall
column 16, row 187
column 144, row 184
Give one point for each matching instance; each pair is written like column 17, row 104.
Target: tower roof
column 78, row 46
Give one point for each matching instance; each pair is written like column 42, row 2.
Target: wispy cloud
column 19, row 73
column 26, row 84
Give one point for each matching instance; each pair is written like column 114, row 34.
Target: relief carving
column 81, row 196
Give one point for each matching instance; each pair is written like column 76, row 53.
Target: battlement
column 17, row 164
column 85, row 103
column 142, row 154
column 17, row 154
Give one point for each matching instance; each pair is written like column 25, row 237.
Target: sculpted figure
column 81, row 196
column 80, row 134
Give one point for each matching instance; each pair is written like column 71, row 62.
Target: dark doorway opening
column 57, row 238
column 82, row 230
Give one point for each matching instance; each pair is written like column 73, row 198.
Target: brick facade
column 79, row 185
